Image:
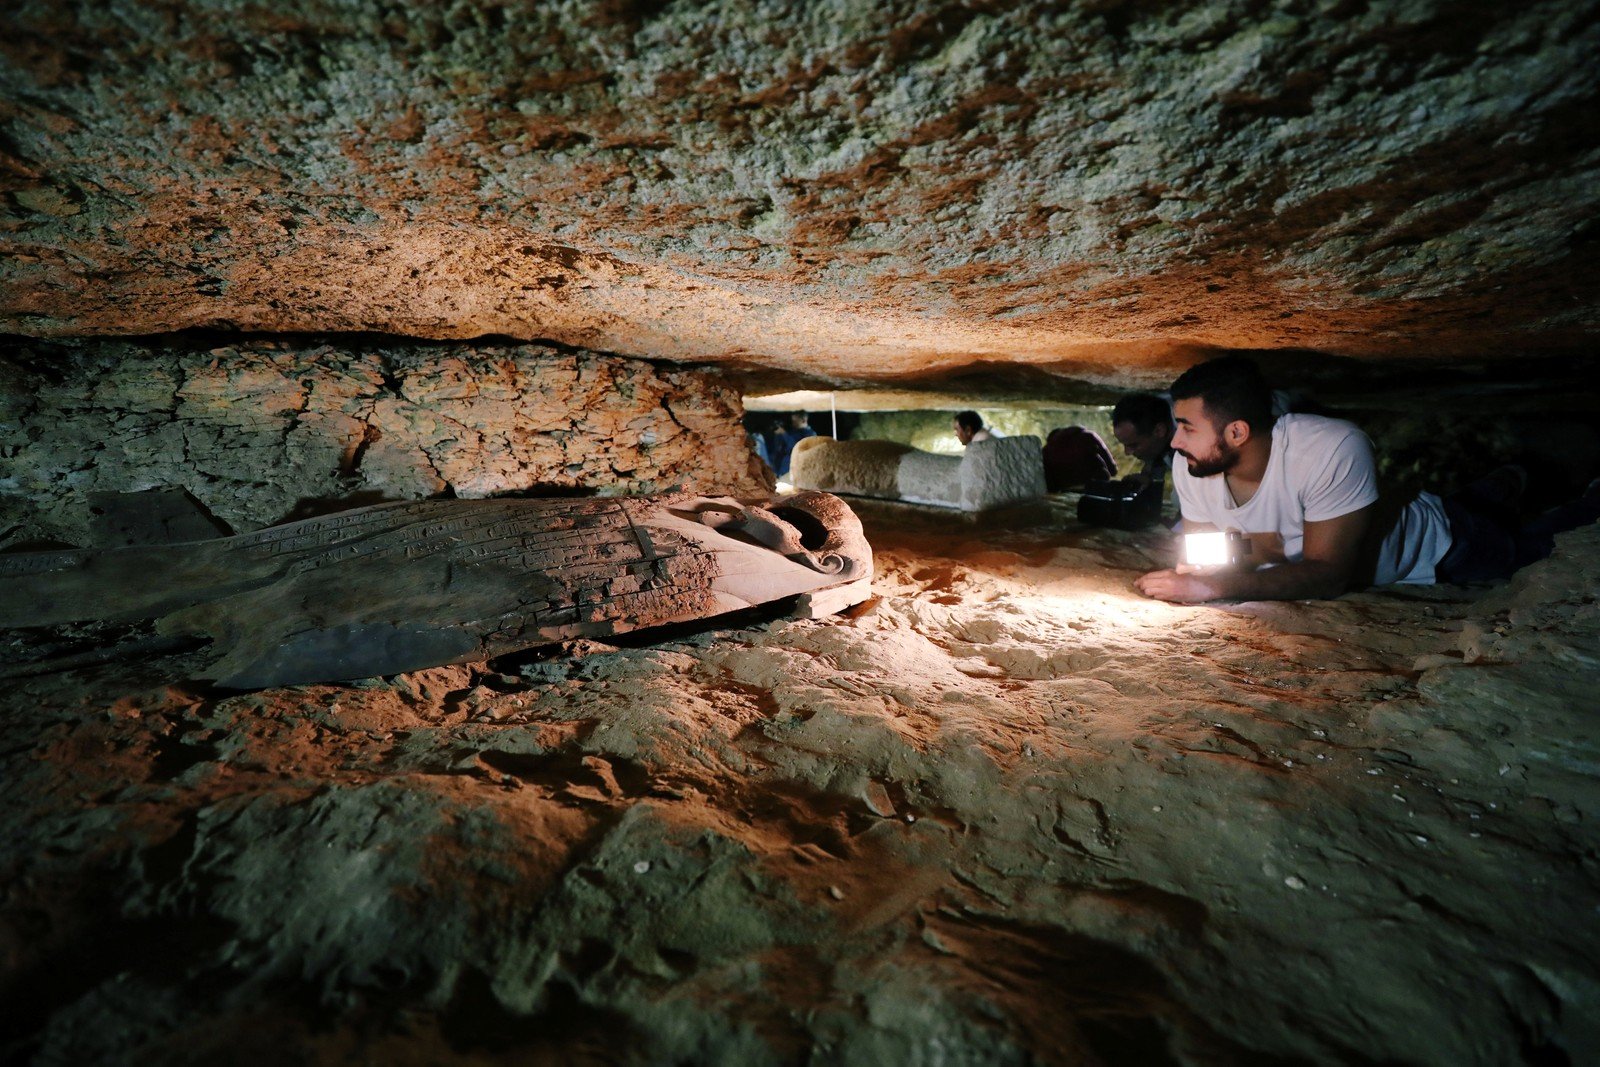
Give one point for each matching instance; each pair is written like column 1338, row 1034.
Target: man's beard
column 1224, row 460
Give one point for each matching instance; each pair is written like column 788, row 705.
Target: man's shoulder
column 1328, row 463
column 1305, row 425
column 1315, row 435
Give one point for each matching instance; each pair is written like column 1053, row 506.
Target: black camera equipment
column 1120, row 505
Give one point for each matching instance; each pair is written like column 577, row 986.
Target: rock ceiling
column 850, row 192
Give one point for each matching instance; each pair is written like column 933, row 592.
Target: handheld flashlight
column 1215, row 548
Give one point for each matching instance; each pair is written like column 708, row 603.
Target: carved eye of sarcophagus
column 399, row 587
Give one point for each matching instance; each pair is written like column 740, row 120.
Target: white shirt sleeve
column 1191, row 504
column 1346, row 481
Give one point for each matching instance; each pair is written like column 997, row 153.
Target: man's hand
column 1137, row 480
column 1326, row 569
column 1184, row 586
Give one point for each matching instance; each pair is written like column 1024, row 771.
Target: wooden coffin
column 399, row 587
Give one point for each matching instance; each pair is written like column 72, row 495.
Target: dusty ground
column 1005, row 813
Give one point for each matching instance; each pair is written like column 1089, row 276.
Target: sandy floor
column 1005, row 812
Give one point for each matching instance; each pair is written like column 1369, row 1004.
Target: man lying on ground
column 1303, row 489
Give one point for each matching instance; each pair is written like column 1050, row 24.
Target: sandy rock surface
column 863, row 192
column 1005, row 812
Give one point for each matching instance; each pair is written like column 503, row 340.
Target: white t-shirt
column 1320, row 468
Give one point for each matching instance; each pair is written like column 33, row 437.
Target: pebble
column 1294, row 882
column 835, row 892
column 642, row 867
column 877, row 800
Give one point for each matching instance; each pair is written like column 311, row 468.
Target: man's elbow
column 1330, row 582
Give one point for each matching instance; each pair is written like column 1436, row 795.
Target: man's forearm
column 1306, row 580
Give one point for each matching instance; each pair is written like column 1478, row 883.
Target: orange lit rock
column 1101, row 189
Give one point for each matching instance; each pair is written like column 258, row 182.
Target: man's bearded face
column 1221, row 460
column 1200, row 441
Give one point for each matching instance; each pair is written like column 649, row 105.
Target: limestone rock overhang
column 1102, row 191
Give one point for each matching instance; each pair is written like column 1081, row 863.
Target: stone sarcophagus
column 988, row 474
column 398, row 587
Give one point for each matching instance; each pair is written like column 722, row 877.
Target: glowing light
column 1206, row 549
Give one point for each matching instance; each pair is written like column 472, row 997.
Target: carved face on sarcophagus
column 399, row 587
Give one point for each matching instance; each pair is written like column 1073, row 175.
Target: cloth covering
column 1074, row 455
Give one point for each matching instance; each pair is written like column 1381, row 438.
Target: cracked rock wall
column 261, row 432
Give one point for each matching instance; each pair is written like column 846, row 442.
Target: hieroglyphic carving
column 402, row 586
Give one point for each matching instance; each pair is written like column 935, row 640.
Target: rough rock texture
column 1007, row 813
column 255, row 431
column 852, row 191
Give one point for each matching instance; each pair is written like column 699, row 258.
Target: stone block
column 989, row 474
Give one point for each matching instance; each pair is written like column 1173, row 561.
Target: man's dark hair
column 1144, row 410
column 1231, row 388
column 969, row 420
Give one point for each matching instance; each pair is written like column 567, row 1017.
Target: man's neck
column 1244, row 478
